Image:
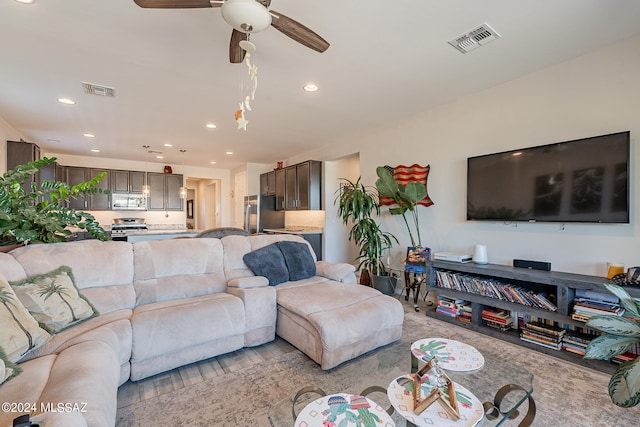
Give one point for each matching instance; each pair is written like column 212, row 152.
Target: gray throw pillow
column 268, row 262
column 299, row 260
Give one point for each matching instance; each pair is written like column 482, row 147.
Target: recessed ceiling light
column 168, row 145
column 211, row 126
column 66, row 101
column 159, row 157
column 310, row 87
column 95, row 150
column 89, row 135
column 213, row 163
column 229, row 152
column 26, row 1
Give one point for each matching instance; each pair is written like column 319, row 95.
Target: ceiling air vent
column 475, row 38
column 93, row 89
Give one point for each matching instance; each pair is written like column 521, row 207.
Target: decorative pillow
column 8, row 369
column 268, row 262
column 19, row 331
column 54, row 300
column 299, row 261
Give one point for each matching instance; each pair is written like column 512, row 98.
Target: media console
column 560, row 287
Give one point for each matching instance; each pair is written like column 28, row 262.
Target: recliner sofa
column 168, row 303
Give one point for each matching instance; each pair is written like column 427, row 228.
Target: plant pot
column 9, row 248
column 365, row 279
column 385, row 284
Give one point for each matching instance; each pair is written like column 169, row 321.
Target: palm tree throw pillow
column 8, row 369
column 19, row 331
column 54, row 300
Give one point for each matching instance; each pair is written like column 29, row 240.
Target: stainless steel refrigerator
column 260, row 213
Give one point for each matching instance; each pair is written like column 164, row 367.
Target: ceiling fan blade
column 298, row 32
column 236, row 53
column 176, row 4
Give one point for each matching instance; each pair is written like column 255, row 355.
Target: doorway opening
column 204, row 197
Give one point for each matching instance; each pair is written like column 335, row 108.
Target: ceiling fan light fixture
column 247, row 16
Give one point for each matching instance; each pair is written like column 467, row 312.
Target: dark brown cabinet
column 268, row 184
column 100, row 201
column 173, row 202
column 302, row 186
column 19, row 153
column 280, row 189
column 165, row 192
column 123, row 181
column 92, row 201
column 52, row 172
column 76, row 175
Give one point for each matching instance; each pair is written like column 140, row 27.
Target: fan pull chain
column 252, row 70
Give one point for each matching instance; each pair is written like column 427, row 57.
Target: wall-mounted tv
column 585, row 180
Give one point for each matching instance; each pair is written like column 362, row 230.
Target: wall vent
column 94, row 89
column 475, row 38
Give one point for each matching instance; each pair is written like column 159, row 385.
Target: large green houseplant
column 357, row 204
column 406, row 197
column 620, row 333
column 41, row 215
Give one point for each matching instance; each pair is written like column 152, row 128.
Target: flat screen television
column 584, row 180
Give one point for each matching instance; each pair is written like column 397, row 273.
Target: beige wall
column 595, row 94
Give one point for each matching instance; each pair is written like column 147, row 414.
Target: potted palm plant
column 620, row 334
column 41, row 215
column 406, row 197
column 356, row 205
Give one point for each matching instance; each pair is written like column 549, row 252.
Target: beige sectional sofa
column 168, row 303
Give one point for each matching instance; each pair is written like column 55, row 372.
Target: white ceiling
column 171, row 73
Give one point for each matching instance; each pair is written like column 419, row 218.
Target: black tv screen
column 585, row 180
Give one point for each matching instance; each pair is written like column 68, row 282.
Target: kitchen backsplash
column 166, row 227
column 304, row 219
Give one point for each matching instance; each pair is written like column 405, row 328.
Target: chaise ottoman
column 332, row 322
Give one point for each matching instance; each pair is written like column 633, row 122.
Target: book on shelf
column 624, row 357
column 586, row 306
column 550, row 329
column 557, row 346
column 498, row 319
column 596, row 296
column 547, row 335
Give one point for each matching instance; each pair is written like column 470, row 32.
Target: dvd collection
column 493, row 289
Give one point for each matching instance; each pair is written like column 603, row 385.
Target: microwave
column 126, row 201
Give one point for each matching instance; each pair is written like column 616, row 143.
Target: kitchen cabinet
column 173, row 202
column 123, row 181
column 19, row 153
column 76, row 175
column 302, row 186
column 165, row 192
column 268, row 183
column 91, row 201
column 315, row 240
column 100, row 201
column 280, row 187
column 52, row 172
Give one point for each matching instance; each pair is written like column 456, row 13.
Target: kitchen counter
column 313, row 235
column 295, row 230
column 162, row 231
column 139, row 235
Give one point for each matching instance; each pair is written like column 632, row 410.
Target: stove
column 120, row 226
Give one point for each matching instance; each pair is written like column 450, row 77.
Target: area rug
column 565, row 394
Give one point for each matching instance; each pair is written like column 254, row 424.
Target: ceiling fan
column 247, row 16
